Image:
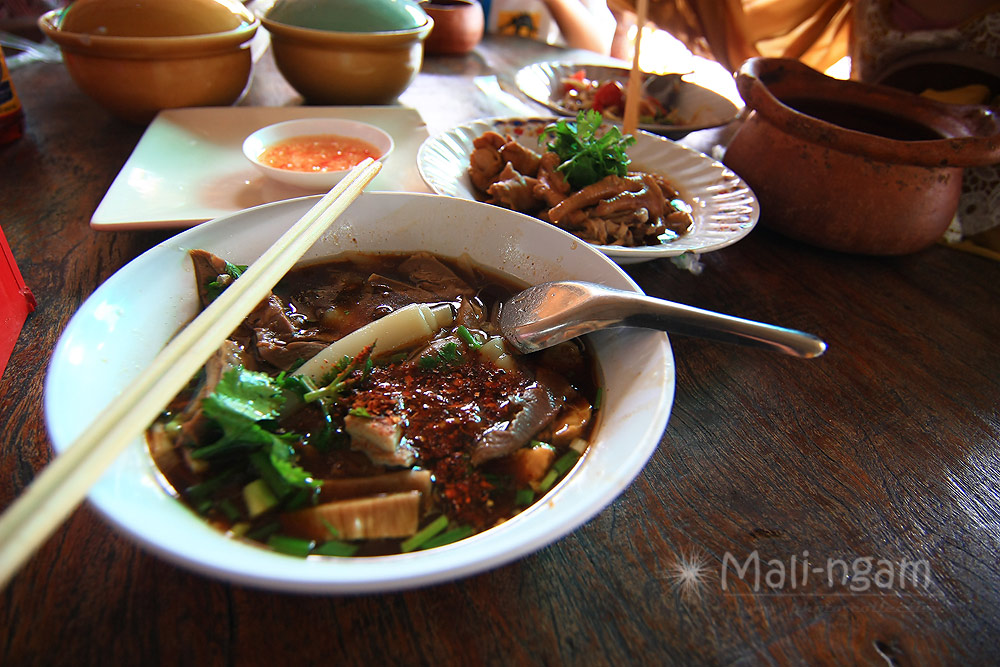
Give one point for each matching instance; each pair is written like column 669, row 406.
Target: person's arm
column 579, row 27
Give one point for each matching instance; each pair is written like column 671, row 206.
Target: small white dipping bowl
column 125, row 322
column 315, row 181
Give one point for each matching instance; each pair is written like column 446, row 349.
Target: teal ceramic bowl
column 348, row 51
column 349, row 15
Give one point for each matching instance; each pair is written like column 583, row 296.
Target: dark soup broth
column 369, row 407
column 863, row 119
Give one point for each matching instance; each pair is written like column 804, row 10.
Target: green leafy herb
column 244, row 405
column 587, row 158
column 216, row 287
column 342, row 379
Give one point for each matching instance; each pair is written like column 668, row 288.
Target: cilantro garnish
column 342, row 379
column 244, row 405
column 586, row 158
column 214, row 288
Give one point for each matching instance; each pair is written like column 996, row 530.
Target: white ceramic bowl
column 120, row 328
column 314, row 181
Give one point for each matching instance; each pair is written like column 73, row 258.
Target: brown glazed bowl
column 348, row 51
column 138, row 57
column 850, row 166
column 458, row 26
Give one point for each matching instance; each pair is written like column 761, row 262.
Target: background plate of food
column 670, row 105
column 703, row 205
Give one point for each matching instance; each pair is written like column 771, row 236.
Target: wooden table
column 879, row 460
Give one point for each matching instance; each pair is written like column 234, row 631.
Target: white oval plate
column 725, row 209
column 127, row 320
column 698, row 107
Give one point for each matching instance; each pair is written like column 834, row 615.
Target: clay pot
column 850, row 166
column 458, row 26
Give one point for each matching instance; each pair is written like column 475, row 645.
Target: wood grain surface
column 774, row 478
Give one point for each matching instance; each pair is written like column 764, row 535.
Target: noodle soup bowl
column 119, row 329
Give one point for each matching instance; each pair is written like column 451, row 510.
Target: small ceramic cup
column 458, row 26
column 316, row 181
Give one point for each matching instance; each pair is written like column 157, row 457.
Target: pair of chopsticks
column 633, row 89
column 63, row 484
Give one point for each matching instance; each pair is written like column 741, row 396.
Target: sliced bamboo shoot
column 379, row 517
column 402, row 328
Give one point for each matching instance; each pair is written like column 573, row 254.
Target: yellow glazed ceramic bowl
column 137, row 57
column 371, row 61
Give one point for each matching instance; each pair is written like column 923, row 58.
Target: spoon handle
column 643, row 311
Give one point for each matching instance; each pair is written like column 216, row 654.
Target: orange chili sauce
column 318, row 152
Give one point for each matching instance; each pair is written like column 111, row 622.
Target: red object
column 607, row 96
column 16, row 301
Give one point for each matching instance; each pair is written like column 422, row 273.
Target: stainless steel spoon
column 550, row 313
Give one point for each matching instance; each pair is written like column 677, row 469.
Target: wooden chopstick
column 63, row 484
column 633, row 91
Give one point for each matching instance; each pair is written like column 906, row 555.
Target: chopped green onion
column 524, row 497
column 424, row 534
column 598, row 398
column 205, row 489
column 299, row 498
column 453, row 535
column 336, row 548
column 239, row 529
column 559, row 468
column 293, row 546
column 262, row 532
column 230, row 511
column 550, row 478
column 258, row 498
column 566, row 461
column 467, row 336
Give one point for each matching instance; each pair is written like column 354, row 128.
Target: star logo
column 688, row 575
